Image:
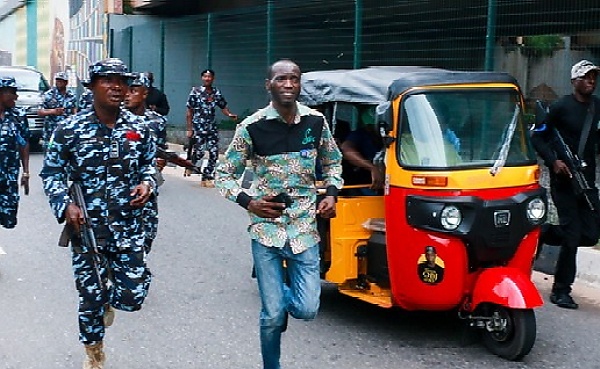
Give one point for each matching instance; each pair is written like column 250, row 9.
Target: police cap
column 8, row 82
column 139, row 80
column 108, row 67
column 62, row 76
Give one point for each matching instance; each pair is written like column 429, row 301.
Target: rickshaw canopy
column 375, row 85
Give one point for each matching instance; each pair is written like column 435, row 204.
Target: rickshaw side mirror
column 385, row 121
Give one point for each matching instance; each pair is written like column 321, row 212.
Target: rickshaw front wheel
column 510, row 333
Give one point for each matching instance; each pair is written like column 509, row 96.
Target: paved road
column 203, row 306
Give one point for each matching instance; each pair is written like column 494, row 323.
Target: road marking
column 2, row 252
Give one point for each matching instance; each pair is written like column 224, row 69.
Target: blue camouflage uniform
column 158, row 127
column 108, row 163
column 53, row 99
column 14, row 134
column 203, row 105
column 86, row 100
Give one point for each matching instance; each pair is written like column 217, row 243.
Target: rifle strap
column 587, row 126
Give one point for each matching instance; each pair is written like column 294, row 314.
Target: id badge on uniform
column 114, row 150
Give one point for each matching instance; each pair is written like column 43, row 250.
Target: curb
column 588, row 263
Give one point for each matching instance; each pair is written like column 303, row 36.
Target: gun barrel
column 88, row 238
column 172, row 157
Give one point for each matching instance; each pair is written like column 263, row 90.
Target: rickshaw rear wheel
column 510, row 333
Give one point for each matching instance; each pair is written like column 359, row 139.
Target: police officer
column 87, row 97
column 156, row 100
column 14, row 152
column 135, row 102
column 576, row 118
column 58, row 103
column 200, row 119
column 109, row 152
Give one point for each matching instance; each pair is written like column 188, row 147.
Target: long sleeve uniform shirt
column 14, row 134
column 53, row 99
column 108, row 163
column 284, row 159
column 158, row 126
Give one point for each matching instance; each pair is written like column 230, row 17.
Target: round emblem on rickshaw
column 430, row 266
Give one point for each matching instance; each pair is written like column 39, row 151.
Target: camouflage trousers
column 150, row 218
column 116, row 277
column 208, row 141
column 9, row 203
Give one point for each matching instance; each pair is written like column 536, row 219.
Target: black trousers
column 579, row 226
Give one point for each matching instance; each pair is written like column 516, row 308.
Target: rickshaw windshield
column 463, row 129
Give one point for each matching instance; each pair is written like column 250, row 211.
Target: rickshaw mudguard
column 505, row 286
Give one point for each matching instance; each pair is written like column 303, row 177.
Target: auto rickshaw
column 458, row 222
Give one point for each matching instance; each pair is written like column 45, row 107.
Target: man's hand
column 559, row 167
column 377, row 178
column 326, row 208
column 141, row 194
column 59, row 111
column 25, row 183
column 160, row 164
column 190, row 133
column 74, row 217
column 265, row 208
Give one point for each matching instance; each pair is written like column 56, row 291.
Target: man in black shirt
column 576, row 118
column 156, row 100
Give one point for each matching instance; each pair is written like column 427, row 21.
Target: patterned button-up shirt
column 108, row 163
column 14, row 134
column 284, row 159
column 53, row 99
column 203, row 105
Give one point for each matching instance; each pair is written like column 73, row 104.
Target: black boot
column 561, row 297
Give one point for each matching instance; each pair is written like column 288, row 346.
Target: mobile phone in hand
column 283, row 198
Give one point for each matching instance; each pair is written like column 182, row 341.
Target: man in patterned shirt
column 283, row 141
column 135, row 102
column 58, row 103
column 109, row 152
column 200, row 119
column 14, row 152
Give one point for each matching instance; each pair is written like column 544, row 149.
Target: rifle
column 574, row 163
column 85, row 237
column 190, row 147
column 172, row 157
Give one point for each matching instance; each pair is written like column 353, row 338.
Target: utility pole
column 490, row 37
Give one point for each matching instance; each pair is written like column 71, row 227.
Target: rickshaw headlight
column 450, row 217
column 536, row 209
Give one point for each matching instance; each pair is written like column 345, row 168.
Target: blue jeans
column 300, row 299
